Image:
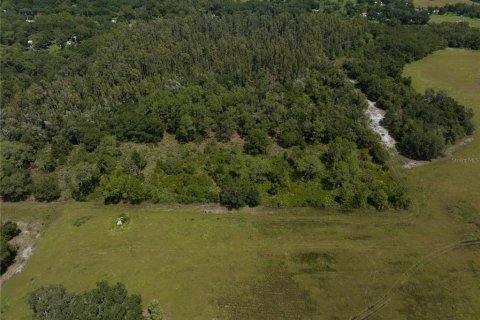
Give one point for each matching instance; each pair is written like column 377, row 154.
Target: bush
column 123, row 187
column 257, row 142
column 9, row 230
column 47, row 189
column 7, row 255
column 86, row 178
column 236, row 193
column 15, row 185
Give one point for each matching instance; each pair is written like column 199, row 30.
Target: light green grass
column 268, row 263
column 438, row 3
column 435, row 18
column 456, row 177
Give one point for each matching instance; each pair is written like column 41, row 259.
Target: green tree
column 15, row 184
column 237, row 192
column 105, row 302
column 257, row 142
column 86, row 177
column 47, row 189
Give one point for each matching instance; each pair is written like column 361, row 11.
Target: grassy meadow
column 275, row 263
column 438, row 3
column 436, row 18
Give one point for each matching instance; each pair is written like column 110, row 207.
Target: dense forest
column 242, row 103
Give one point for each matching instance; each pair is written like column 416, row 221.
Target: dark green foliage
column 464, row 9
column 263, row 72
column 7, row 255
column 119, row 187
column 425, row 124
column 47, row 189
column 389, row 11
column 257, row 142
column 9, row 230
column 236, row 193
column 86, row 177
column 15, row 185
column 133, row 123
column 105, row 302
column 15, row 180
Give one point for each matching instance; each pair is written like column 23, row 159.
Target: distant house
column 364, row 14
column 114, row 19
column 30, row 20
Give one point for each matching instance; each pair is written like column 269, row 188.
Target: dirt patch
column 410, row 163
column 376, row 115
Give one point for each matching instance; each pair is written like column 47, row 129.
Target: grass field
column 435, row 18
column 438, row 3
column 267, row 263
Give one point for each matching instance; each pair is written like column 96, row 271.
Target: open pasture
column 435, row 18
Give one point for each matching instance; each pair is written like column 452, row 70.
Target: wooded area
column 81, row 79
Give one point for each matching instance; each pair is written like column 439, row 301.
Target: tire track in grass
column 384, row 300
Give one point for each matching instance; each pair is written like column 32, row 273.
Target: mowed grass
column 436, row 18
column 267, row 263
column 438, row 3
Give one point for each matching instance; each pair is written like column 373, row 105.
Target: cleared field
column 438, row 3
column 267, row 263
column 435, row 18
column 262, row 263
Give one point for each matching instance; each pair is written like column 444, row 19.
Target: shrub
column 86, row 178
column 7, row 255
column 236, row 193
column 9, row 230
column 47, row 189
column 123, row 187
column 15, row 185
column 257, row 142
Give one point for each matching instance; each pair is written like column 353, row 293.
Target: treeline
column 462, row 9
column 423, row 125
column 105, row 302
column 335, row 175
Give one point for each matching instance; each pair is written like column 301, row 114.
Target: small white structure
column 364, row 14
column 114, row 19
column 119, row 221
column 72, row 41
column 30, row 20
column 30, row 42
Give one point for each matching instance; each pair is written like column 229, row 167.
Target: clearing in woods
column 438, row 3
column 292, row 263
column 436, row 18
